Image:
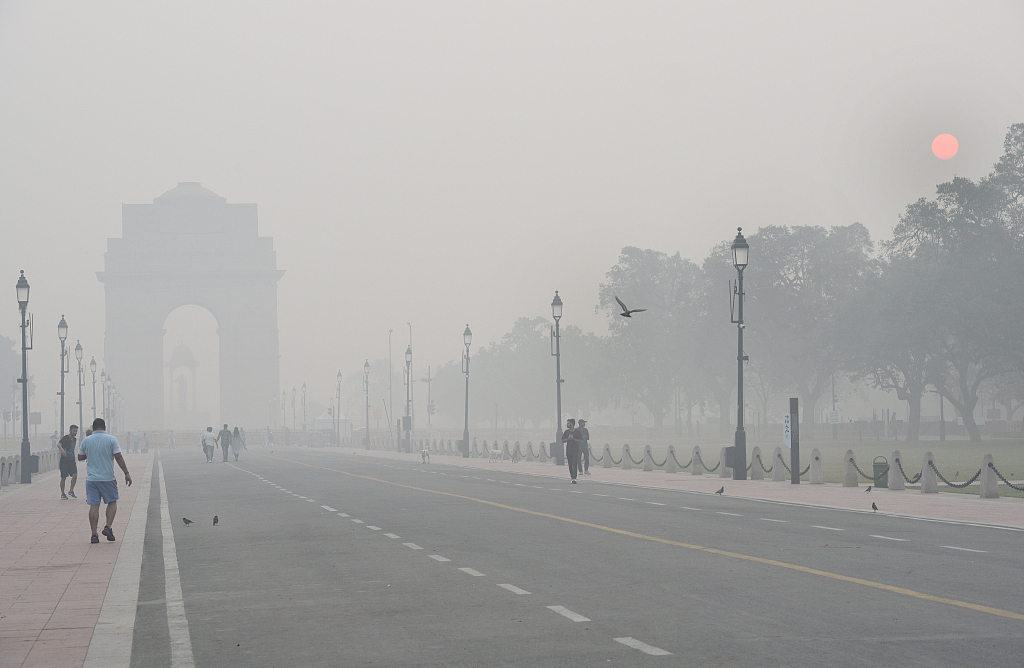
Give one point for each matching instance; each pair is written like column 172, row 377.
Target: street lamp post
column 366, row 389
column 467, row 338
column 303, row 407
column 81, row 383
column 739, row 260
column 62, row 334
column 92, row 368
column 556, row 313
column 408, row 398
column 26, row 345
column 293, row 408
column 337, row 414
column 103, row 392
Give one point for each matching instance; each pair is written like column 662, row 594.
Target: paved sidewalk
column 1004, row 511
column 53, row 581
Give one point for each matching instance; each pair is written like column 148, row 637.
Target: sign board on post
column 833, row 417
column 787, row 430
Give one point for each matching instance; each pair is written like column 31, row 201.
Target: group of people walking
column 577, row 447
column 235, row 440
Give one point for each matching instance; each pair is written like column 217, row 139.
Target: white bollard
column 543, row 458
column 723, row 470
column 988, row 480
column 849, row 472
column 607, row 456
column 756, row 471
column 696, row 468
column 779, row 467
column 648, row 459
column 626, row 461
column 929, row 481
column 896, row 481
column 670, row 460
column 817, row 473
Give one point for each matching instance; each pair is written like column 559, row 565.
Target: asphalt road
column 341, row 560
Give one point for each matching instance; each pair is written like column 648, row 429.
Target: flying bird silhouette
column 186, row 520
column 215, row 520
column 626, row 312
column 720, row 490
column 868, row 489
column 874, row 508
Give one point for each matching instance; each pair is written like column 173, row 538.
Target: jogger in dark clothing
column 584, row 448
column 572, row 437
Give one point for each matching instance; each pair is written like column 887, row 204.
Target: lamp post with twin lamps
column 303, row 407
column 739, row 260
column 467, row 338
column 337, row 416
column 62, row 334
column 556, row 313
column 26, row 345
column 81, row 383
column 92, row 368
column 366, row 389
column 408, row 399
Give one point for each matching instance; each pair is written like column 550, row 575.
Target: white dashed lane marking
column 437, row 557
column 343, row 515
column 654, row 503
column 902, row 540
column 816, row 526
column 391, row 535
column 687, row 508
column 595, row 494
column 642, row 646
column 768, row 519
column 412, row 546
column 730, row 514
column 963, row 549
column 622, row 499
column 370, row 526
column 358, row 521
column 567, row 613
column 333, row 510
column 470, row 571
column 514, row 589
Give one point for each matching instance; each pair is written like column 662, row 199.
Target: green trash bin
column 881, row 472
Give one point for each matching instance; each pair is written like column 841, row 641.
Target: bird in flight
column 868, row 489
column 721, row 490
column 874, row 508
column 186, row 520
column 626, row 312
column 215, row 520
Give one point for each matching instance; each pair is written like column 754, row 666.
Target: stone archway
column 190, row 247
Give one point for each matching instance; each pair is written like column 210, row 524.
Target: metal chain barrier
column 761, row 464
column 529, row 446
column 706, row 468
column 899, row 465
column 1008, row 483
column 594, row 458
column 630, row 455
column 866, row 476
column 657, row 465
column 677, row 461
column 615, row 463
column 954, row 485
column 804, row 472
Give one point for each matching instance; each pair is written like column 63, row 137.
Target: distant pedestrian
column 224, row 438
column 209, row 442
column 100, row 450
column 242, row 432
column 53, row 439
column 268, row 439
column 584, row 447
column 68, row 463
column 571, row 437
column 236, row 443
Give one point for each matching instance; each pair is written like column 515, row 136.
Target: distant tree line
column 936, row 308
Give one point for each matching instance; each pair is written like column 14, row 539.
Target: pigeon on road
column 626, row 312
column 215, row 520
column 874, row 508
column 720, row 490
column 868, row 489
column 186, row 520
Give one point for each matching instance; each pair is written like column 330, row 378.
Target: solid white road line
column 412, row 546
column 391, row 535
column 815, row 526
column 964, row 549
column 177, row 623
column 470, row 571
column 642, row 646
column 514, row 589
column 566, row 612
column 768, row 519
column 111, row 644
column 328, row 508
column 437, row 557
column 902, row 540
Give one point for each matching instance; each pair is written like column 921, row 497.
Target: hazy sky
column 452, row 162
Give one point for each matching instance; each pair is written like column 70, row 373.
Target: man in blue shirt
column 100, row 450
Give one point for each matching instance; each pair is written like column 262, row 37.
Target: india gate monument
column 191, row 248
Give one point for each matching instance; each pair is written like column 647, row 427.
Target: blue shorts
column 96, row 490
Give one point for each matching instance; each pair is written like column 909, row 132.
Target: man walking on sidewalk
column 224, row 438
column 68, row 464
column 100, row 450
column 209, row 444
column 571, row 437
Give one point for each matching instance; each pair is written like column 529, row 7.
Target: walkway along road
column 351, row 559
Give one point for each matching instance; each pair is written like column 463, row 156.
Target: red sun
column 945, row 147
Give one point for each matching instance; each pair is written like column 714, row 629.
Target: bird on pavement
column 874, row 508
column 186, row 520
column 215, row 520
column 868, row 489
column 626, row 312
column 720, row 490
